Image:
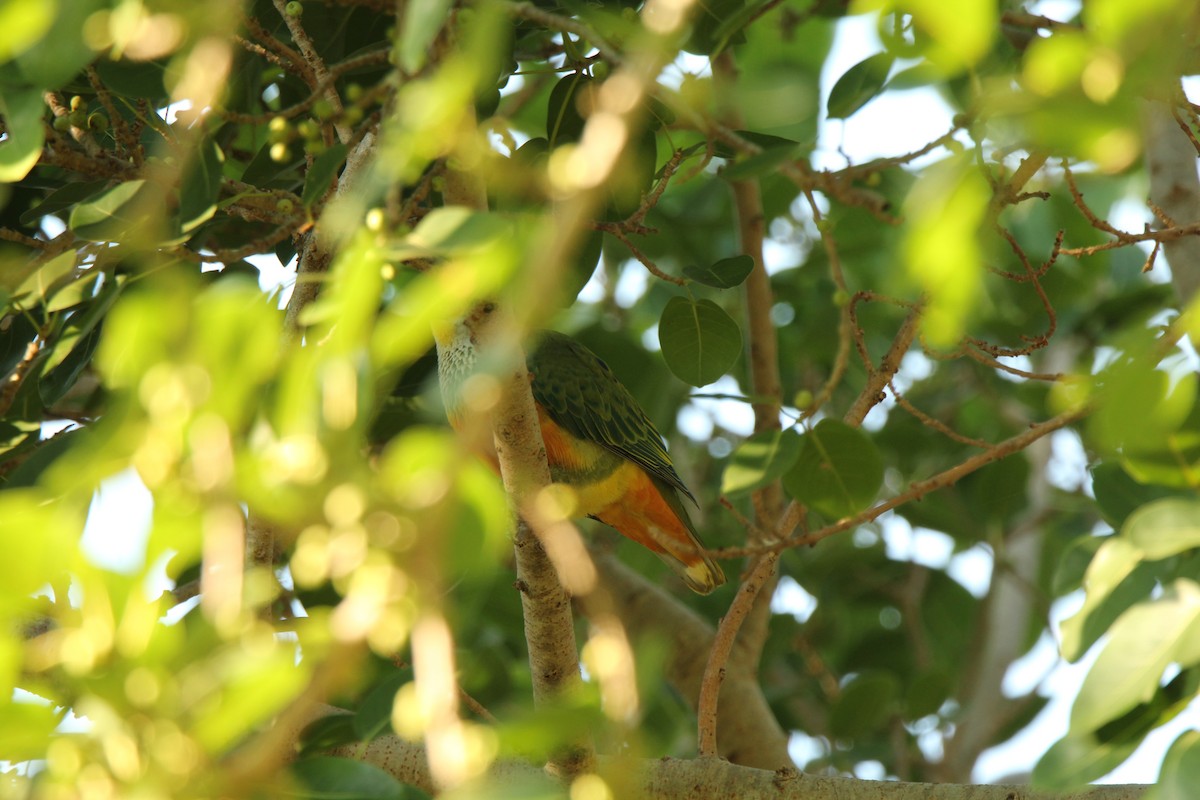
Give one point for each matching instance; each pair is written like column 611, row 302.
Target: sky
column 117, row 528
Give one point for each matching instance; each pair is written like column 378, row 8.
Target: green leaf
column 200, row 185
column 564, row 120
column 43, row 457
column 1114, row 561
column 22, row 24
column 46, row 279
column 1141, row 405
column 135, row 79
column 1118, row 495
column 1142, row 642
column 1077, row 760
column 766, row 141
column 59, row 380
column 71, row 293
column 1165, row 527
column 62, row 52
column 109, row 216
column 723, row 274
column 759, row 460
column 865, row 705
column 324, row 169
column 859, row 85
column 323, row 733
column 927, row 692
column 942, row 250
column 699, row 340
column 26, row 729
column 62, row 198
column 452, row 230
column 1102, row 606
column 839, row 470
column 760, row 164
column 1180, row 773
column 329, row 778
column 1173, row 459
column 16, row 333
column 422, row 21
column 25, row 135
column 374, row 715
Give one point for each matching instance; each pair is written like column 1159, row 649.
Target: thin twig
column 917, row 489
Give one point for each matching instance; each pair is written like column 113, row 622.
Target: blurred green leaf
column 760, row 164
column 320, row 175
column 374, row 714
column 723, row 274
column 859, row 85
column 1118, row 495
column 110, row 216
column 1180, row 774
column 1141, row 643
column 329, row 778
column 422, row 21
column 865, row 705
column 839, row 470
column 942, row 250
column 699, row 340
column 1165, row 527
column 26, row 728
column 63, row 50
column 1078, row 759
column 564, row 115
column 759, row 460
column 200, row 185
column 63, row 198
column 23, row 23
column 46, row 279
column 22, row 112
column 59, row 380
column 451, row 230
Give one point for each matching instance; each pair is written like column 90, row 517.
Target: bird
column 598, row 440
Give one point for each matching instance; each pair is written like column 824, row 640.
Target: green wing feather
column 583, row 396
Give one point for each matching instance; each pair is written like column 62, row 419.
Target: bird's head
column 467, row 331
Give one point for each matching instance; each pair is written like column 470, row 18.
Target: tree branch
column 765, row 384
column 1174, row 188
column 919, row 489
column 747, row 731
column 713, row 779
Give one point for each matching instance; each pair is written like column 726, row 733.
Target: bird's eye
column 488, row 308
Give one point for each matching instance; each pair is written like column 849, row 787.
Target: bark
column 747, row 731
column 1174, row 188
column 1006, row 615
column 711, row 778
column 521, row 455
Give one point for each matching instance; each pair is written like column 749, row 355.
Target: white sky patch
column 118, row 523
column 792, row 598
column 972, row 568
column 694, row 423
column 911, row 119
column 804, row 748
column 1030, row 670
column 593, row 291
column 1024, row 363
column 734, row 416
column 1068, row 465
column 631, row 284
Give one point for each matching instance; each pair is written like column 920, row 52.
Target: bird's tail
column 697, row 569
